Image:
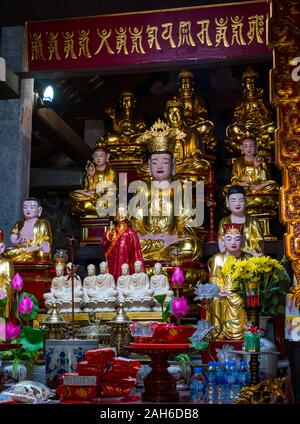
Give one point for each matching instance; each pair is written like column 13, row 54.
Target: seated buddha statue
column 105, row 295
column 98, row 188
column 236, row 202
column 227, row 312
column 64, row 298
column 138, row 295
column 195, row 113
column 31, row 237
column 6, row 274
column 189, row 150
column 159, row 283
column 252, row 115
column 56, row 287
column 250, row 171
column 123, row 282
column 159, row 217
column 88, row 287
column 126, row 126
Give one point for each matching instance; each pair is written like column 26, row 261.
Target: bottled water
column 211, row 393
column 220, row 382
column 197, row 386
column 243, row 374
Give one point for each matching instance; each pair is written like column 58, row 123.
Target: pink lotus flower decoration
column 180, row 307
column 12, row 331
column 17, row 282
column 178, row 277
column 26, row 306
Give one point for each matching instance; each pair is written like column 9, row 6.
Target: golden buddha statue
column 195, row 114
column 189, row 151
column 31, row 237
column 126, row 127
column 251, row 171
column 253, row 116
column 236, row 202
column 228, row 309
column 160, row 219
column 6, row 274
column 87, row 202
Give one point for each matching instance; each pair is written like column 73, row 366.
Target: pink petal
column 17, row 282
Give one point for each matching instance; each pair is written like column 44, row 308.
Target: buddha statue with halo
column 91, row 199
column 227, row 311
column 195, row 113
column 159, row 217
column 236, row 202
column 159, row 283
column 252, row 115
column 31, row 237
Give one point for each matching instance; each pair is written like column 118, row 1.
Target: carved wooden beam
column 285, row 95
column 56, row 130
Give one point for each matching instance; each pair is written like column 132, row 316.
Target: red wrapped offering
column 117, row 376
column 84, row 368
column 130, row 371
column 79, row 393
column 113, row 389
column 124, row 362
column 168, row 333
column 100, row 356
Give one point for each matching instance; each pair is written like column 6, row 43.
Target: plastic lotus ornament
column 17, row 282
column 180, row 307
column 25, row 306
column 177, row 277
column 12, row 331
column 206, row 291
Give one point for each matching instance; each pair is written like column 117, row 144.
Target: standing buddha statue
column 227, row 310
column 88, row 202
column 195, row 114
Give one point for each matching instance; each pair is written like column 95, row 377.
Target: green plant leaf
column 32, row 338
column 160, row 298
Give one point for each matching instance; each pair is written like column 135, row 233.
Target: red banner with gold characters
column 192, row 34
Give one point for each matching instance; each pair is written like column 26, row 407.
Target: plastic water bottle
column 243, row 374
column 220, row 382
column 232, row 381
column 210, row 377
column 197, row 386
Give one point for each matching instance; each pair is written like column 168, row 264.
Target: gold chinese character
column 36, row 46
column 167, row 34
column 104, row 35
column 237, row 31
column 203, row 34
column 221, row 31
column 84, row 43
column 152, row 37
column 52, row 45
column 256, row 28
column 185, row 35
column 69, row 45
column 136, row 38
column 121, row 40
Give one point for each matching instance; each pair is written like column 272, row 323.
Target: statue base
column 92, row 230
column 37, row 277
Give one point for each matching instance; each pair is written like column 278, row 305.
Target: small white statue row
column 99, row 293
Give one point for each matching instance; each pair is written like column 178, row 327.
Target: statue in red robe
column 124, row 245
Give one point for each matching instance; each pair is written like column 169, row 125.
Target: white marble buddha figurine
column 104, row 298
column 159, row 283
column 89, row 283
column 65, row 297
column 56, row 287
column 138, row 296
column 123, row 283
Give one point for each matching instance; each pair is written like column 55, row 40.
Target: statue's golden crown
column 250, row 73
column 233, row 228
column 174, row 102
column 101, row 144
column 161, row 138
column 185, row 74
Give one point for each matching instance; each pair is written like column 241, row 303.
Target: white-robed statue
column 159, row 283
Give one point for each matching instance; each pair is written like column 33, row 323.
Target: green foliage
column 32, row 339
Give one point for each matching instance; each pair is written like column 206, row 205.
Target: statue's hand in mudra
column 257, row 161
column 45, row 247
